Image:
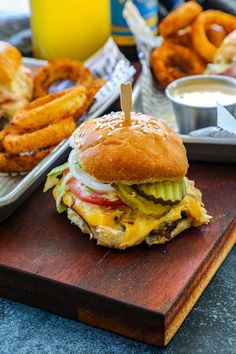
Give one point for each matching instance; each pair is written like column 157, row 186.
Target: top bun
column 10, row 61
column 143, row 150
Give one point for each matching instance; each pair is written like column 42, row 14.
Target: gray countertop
column 210, row 327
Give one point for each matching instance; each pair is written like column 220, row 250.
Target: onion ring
column 180, row 18
column 216, row 34
column 45, row 137
column 57, row 70
column 182, row 37
column 94, row 87
column 6, row 131
column 201, row 43
column 91, row 92
column 172, row 61
column 21, row 163
column 50, row 109
column 3, row 133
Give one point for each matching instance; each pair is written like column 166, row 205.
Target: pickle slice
column 165, row 193
column 137, row 202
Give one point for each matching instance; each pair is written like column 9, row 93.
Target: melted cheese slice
column 93, row 214
column 142, row 225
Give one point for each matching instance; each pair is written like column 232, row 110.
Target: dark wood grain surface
column 144, row 293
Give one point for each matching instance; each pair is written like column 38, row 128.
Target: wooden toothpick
column 126, row 99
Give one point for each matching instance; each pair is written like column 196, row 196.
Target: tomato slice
column 94, row 198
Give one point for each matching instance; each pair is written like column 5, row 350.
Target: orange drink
column 72, row 29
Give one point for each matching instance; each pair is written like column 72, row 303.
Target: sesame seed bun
column 10, row 61
column 143, row 150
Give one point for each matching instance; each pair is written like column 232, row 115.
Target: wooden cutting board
column 142, row 293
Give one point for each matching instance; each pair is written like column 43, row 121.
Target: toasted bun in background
column 10, row 61
column 16, row 82
column 145, row 150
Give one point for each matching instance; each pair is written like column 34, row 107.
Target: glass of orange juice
column 72, row 29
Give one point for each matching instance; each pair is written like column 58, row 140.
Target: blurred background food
column 16, row 83
column 191, row 39
column 73, row 31
column 15, row 23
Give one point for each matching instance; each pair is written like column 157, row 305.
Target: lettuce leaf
column 61, row 189
column 53, row 176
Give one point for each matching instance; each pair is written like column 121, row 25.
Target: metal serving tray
column 206, row 149
column 108, row 63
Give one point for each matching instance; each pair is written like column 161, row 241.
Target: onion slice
column 85, row 178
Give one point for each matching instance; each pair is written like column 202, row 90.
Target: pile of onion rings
column 190, row 40
column 201, row 43
column 41, row 125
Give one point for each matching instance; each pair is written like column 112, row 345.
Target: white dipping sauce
column 205, row 94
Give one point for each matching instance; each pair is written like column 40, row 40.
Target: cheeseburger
column 16, row 83
column 125, row 182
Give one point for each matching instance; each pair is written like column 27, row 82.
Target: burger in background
column 16, row 85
